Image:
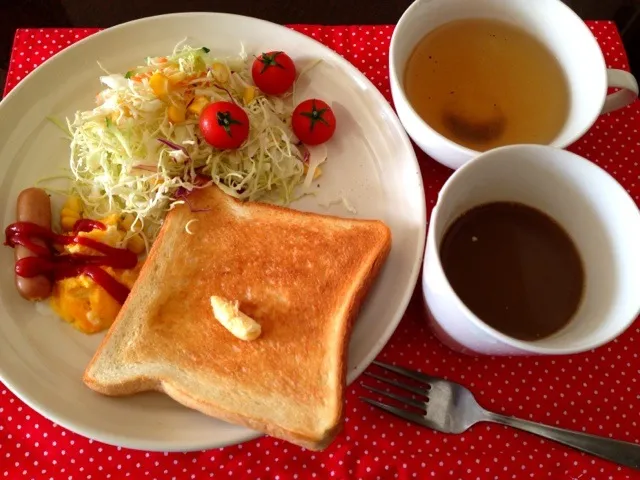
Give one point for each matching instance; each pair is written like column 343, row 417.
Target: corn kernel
column 159, row 84
column 136, row 244
column 67, row 223
column 176, row 113
column 249, row 94
column 73, row 203
column 316, row 174
column 126, row 221
column 220, row 72
column 68, row 212
column 177, row 77
column 111, row 219
column 198, row 105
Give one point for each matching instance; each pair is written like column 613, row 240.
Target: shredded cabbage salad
column 139, row 150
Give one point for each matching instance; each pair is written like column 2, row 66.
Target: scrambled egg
column 82, row 302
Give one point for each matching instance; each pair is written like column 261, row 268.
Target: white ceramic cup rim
column 579, row 132
column 528, row 346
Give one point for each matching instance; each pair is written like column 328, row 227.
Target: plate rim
column 352, row 374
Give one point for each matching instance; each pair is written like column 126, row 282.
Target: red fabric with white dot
column 596, row 392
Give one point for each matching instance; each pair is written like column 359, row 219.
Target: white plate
column 370, row 161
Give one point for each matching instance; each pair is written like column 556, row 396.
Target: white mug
column 596, row 212
column 550, row 21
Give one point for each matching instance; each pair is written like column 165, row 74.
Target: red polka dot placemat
column 596, row 392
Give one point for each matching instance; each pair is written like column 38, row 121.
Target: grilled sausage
column 33, row 206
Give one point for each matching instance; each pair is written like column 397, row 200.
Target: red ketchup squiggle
column 47, row 262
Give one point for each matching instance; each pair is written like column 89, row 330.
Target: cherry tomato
column 273, row 72
column 313, row 122
column 224, row 125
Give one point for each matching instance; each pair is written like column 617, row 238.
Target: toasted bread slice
column 301, row 276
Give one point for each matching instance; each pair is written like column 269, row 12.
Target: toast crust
column 302, row 276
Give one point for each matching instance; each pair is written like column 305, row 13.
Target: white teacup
column 597, row 213
column 553, row 23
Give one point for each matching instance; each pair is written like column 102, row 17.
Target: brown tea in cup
column 484, row 83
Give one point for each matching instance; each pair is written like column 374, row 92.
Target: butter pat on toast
column 302, row 277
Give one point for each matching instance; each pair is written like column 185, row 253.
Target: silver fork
column 451, row 408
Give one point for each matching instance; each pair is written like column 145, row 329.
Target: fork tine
column 400, row 398
column 410, row 388
column 410, row 416
column 421, row 377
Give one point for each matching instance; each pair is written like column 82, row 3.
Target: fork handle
column 623, row 453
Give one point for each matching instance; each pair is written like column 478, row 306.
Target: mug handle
column 627, row 94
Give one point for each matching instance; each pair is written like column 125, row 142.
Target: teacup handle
column 627, row 94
